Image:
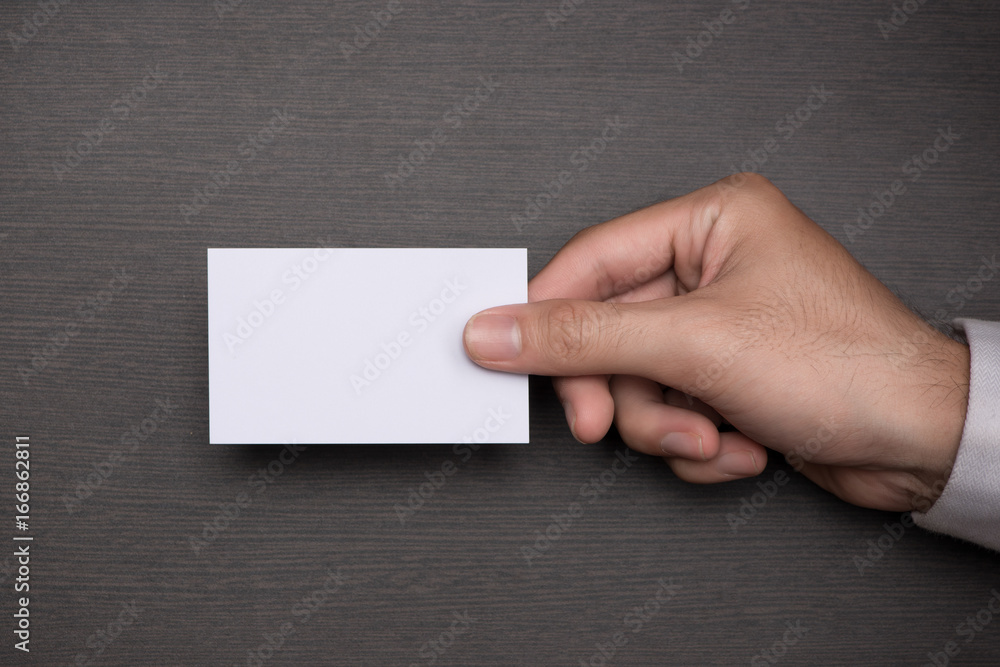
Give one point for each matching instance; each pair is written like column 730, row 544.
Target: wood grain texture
column 323, row 181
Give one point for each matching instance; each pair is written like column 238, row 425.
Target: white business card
column 350, row 345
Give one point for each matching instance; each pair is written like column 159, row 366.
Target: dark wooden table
column 134, row 137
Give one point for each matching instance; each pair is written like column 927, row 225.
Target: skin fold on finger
column 658, row 287
column 647, row 424
column 588, row 405
column 738, row 457
column 681, row 400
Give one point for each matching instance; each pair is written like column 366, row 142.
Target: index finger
column 608, row 259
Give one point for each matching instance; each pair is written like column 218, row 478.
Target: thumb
column 572, row 337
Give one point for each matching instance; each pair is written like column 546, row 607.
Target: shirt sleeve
column 969, row 507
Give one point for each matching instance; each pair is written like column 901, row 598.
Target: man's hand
column 730, row 304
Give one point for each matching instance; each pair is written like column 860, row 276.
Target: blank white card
column 348, row 345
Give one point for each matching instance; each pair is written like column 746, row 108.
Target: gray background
column 322, row 177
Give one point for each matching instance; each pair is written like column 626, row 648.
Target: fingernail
column 687, row 445
column 737, row 464
column 493, row 338
column 571, row 419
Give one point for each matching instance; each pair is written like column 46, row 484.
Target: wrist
column 942, row 421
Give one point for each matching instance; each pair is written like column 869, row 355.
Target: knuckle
column 755, row 180
column 741, row 186
column 572, row 331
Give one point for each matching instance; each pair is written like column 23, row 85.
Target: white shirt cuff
column 969, row 507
